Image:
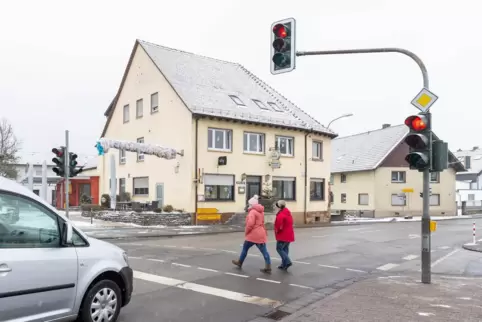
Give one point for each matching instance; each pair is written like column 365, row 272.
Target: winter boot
column 266, row 269
column 237, row 263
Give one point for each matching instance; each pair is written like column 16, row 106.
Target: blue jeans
column 262, row 248
column 283, row 249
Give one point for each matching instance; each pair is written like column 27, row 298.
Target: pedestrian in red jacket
column 284, row 233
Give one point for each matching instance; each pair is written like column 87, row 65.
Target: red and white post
column 473, row 234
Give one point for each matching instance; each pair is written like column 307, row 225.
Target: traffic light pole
column 426, row 260
column 66, row 172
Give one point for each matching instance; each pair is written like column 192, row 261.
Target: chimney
column 475, row 148
column 384, row 126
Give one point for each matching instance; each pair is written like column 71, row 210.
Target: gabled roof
column 366, row 151
column 205, row 84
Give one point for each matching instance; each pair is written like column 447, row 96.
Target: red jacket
column 283, row 226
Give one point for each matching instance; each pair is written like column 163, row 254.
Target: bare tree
column 9, row 147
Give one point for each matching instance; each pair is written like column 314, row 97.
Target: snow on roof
column 365, row 151
column 218, row 88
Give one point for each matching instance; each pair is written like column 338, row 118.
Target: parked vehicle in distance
column 50, row 270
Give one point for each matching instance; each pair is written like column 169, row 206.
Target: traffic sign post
column 424, row 101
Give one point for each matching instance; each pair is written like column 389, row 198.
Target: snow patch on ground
column 396, row 219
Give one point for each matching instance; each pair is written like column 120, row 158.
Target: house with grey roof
column 240, row 138
column 371, row 178
column 469, row 184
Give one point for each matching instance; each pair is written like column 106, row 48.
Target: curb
column 145, row 236
column 473, row 248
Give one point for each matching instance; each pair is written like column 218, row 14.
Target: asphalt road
column 191, row 278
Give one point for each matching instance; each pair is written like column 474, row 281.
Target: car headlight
column 126, row 258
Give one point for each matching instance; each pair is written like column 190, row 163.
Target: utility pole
column 66, row 173
column 426, row 260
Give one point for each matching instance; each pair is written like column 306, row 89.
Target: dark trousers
column 283, row 249
column 262, row 248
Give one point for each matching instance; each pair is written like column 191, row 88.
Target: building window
column 275, row 107
column 435, row 200
column 398, row 200
column 467, row 162
column 363, row 199
column 435, row 177
column 140, row 155
column 218, row 187
column 471, row 197
column 219, row 139
column 139, row 108
column 317, row 150
column 38, row 172
column 284, row 188
column 141, row 186
column 398, row 176
column 122, row 156
column 237, row 100
column 343, row 198
column 253, row 142
column 122, row 185
column 343, row 178
column 317, row 189
column 285, row 145
column 260, row 105
column 126, row 113
column 154, row 102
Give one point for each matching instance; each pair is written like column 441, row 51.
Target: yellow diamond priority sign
column 424, row 100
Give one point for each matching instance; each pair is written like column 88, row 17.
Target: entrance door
column 84, row 193
column 253, row 186
column 160, row 194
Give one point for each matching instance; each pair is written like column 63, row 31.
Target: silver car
column 51, row 271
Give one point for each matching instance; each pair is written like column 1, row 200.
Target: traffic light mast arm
column 405, row 52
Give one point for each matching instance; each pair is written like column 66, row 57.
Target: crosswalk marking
column 410, row 257
column 230, row 295
column 329, row 266
column 182, row 265
column 269, row 281
column 238, row 275
column 387, row 267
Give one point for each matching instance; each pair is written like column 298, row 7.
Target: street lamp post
column 339, row 117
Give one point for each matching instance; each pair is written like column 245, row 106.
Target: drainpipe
column 305, row 214
column 196, row 168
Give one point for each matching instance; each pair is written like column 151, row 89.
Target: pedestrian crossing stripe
column 230, row 295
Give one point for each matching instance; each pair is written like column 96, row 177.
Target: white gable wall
column 171, row 126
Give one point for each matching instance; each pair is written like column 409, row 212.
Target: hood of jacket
column 259, row 208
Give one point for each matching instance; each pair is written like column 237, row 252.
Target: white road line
column 387, row 267
column 187, row 247
column 182, row 265
column 320, row 236
column 328, row 266
column 208, row 269
column 205, row 248
column 170, row 246
column 276, row 258
column 229, row 251
column 133, row 257
column 155, row 260
column 135, row 244
column 445, row 257
column 444, row 247
column 410, row 257
column 369, row 231
column 302, row 286
column 238, row 275
column 298, row 262
column 230, row 295
column 355, row 270
column 356, row 229
column 269, row 281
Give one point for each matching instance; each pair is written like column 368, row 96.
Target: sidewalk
column 396, row 299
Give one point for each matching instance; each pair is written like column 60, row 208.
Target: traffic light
column 419, row 139
column 73, row 172
column 59, row 161
column 283, row 49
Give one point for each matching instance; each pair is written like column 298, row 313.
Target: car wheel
column 102, row 303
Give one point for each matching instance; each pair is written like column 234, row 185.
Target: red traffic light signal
column 417, row 123
column 58, row 152
column 281, row 31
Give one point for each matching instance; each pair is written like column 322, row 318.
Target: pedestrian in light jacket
column 284, row 233
column 255, row 234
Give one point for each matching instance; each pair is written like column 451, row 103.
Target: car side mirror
column 67, row 234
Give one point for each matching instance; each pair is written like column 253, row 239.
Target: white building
column 469, row 184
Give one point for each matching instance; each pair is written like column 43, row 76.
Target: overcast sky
column 61, row 63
